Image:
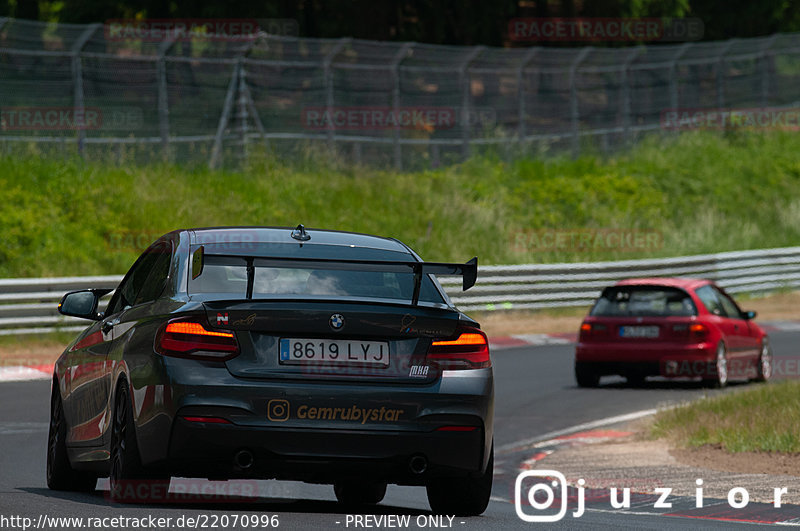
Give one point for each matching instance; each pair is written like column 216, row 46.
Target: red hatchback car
column 672, row 327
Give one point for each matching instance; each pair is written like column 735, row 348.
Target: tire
column 126, row 465
column 585, row 376
column 60, row 474
column 720, row 378
column 764, row 362
column 356, row 493
column 462, row 496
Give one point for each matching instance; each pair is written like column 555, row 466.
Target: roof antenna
column 300, row 234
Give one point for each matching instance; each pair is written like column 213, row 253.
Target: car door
column 85, row 387
column 133, row 326
column 746, row 343
column 727, row 327
column 116, row 321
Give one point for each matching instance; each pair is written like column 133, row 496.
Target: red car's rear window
column 643, row 301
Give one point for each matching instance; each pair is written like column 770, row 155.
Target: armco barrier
column 30, row 305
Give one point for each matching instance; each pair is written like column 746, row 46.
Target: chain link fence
column 73, row 87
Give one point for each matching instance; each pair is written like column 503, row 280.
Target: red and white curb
column 24, row 373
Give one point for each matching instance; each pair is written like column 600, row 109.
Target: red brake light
column 698, row 330
column 468, row 350
column 592, row 329
column 192, row 340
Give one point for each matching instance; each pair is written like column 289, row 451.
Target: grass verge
column 702, row 192
column 763, row 418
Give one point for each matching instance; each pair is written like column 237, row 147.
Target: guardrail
column 29, row 305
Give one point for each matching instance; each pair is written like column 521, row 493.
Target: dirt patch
column 508, row 323
column 644, row 465
column 715, row 458
column 778, row 307
column 34, row 353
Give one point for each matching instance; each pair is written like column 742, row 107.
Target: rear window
column 643, row 301
column 301, row 282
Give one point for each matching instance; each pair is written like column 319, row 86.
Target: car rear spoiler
column 468, row 271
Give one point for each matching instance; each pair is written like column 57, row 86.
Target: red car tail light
column 469, row 350
column 187, row 339
column 698, row 331
column 592, row 329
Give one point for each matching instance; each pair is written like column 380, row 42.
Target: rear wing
column 468, row 271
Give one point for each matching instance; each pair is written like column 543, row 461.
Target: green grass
column 758, row 419
column 704, row 192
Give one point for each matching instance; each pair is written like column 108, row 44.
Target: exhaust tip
column 418, row 464
column 243, row 459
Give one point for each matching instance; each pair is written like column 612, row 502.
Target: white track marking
column 519, row 445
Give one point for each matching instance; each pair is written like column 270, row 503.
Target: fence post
column 216, row 149
column 625, row 96
column 673, row 77
column 573, row 100
column 404, row 51
column 720, row 62
column 242, row 112
column 766, row 54
column 466, row 98
column 521, row 119
column 77, row 81
column 163, row 97
column 329, row 97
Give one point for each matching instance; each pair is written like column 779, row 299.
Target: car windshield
column 304, row 282
column 643, row 301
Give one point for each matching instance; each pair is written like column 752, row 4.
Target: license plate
column 299, row 350
column 638, row 331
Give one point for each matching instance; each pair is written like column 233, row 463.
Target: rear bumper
column 322, row 455
column 300, row 429
column 658, row 359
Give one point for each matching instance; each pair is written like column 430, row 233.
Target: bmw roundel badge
column 337, row 321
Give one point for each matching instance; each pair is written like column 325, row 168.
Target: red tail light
column 468, row 350
column 592, row 329
column 187, row 339
column 698, row 331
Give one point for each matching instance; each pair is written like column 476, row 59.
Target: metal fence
column 29, row 306
column 220, row 100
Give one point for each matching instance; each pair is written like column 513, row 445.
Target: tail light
column 698, row 331
column 468, row 350
column 693, row 331
column 189, row 339
column 592, row 329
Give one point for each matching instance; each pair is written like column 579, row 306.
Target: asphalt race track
column 535, row 395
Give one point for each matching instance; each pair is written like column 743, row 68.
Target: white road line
column 519, row 445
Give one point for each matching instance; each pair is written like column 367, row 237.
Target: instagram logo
column 541, row 487
column 278, row 410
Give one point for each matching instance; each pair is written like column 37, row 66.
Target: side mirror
column 81, row 303
column 749, row 315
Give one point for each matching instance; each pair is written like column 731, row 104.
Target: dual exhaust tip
column 244, row 460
